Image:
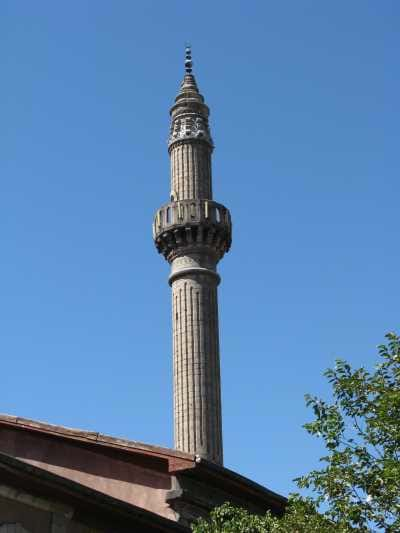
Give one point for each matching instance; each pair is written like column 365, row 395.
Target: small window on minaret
column 193, row 210
column 217, row 215
column 168, row 215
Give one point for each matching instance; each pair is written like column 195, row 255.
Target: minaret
column 193, row 233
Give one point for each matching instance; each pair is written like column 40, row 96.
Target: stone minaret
column 193, row 233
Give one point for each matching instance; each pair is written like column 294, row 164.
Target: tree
column 358, row 489
column 361, row 429
column 301, row 517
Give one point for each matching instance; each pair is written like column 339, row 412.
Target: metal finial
column 188, row 59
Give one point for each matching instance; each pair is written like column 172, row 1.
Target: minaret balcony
column 192, row 223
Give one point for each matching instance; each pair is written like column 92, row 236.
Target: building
column 55, row 479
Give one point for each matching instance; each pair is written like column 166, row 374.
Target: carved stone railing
column 192, row 223
column 189, row 126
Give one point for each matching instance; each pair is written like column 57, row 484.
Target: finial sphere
column 188, row 59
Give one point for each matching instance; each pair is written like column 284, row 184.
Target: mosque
column 55, row 479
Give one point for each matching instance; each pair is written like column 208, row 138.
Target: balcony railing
column 191, row 213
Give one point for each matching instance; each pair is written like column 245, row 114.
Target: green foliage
column 361, row 429
column 300, row 517
column 229, row 519
column 358, row 489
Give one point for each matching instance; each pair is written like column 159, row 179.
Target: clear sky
column 305, row 118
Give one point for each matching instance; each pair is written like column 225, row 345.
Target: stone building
column 59, row 480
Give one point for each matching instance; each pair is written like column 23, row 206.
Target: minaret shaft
column 197, row 396
column 191, row 171
column 193, row 233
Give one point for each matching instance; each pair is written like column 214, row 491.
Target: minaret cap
column 189, row 89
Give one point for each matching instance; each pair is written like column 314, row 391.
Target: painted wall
column 109, row 473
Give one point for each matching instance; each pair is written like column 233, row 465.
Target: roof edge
column 92, row 437
column 225, row 473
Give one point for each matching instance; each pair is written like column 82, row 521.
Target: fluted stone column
column 197, row 391
column 191, row 171
column 193, row 232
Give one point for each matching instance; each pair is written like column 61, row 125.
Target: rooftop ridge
column 92, row 436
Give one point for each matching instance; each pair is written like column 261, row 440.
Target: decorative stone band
column 187, row 272
column 190, row 126
column 192, row 224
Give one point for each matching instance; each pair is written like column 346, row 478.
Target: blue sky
column 304, row 103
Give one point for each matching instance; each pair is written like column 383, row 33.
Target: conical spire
column 189, row 89
column 189, row 112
